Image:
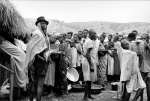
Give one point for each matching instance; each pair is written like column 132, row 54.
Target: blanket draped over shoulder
column 36, row 45
column 130, row 72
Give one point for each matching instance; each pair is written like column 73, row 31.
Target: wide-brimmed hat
column 41, row 19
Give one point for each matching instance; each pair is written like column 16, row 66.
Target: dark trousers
column 148, row 88
column 61, row 82
column 36, row 74
column 36, row 87
column 125, row 95
column 141, row 91
column 147, row 81
column 113, row 78
column 79, row 69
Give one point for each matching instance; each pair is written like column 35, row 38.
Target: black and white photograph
column 74, row 50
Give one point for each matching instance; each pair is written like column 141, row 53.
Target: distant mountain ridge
column 99, row 27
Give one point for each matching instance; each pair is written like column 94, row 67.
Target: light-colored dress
column 110, row 59
column 79, row 56
column 73, row 57
column 87, row 74
column 94, row 59
column 110, row 64
column 85, row 64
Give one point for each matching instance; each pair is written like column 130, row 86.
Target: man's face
column 75, row 37
column 120, row 37
column 102, row 38
column 52, row 39
column 104, row 35
column 61, row 38
column 85, row 33
column 126, row 46
column 79, row 32
column 109, row 38
column 43, row 25
column 80, row 36
column 69, row 36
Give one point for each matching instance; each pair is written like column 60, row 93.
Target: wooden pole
column 11, row 81
column 6, row 68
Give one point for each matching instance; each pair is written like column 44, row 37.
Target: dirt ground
column 78, row 97
column 106, row 95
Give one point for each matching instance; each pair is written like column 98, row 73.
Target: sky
column 86, row 10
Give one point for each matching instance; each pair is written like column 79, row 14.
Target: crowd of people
column 98, row 59
column 41, row 59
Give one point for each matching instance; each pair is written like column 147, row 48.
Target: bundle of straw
column 12, row 25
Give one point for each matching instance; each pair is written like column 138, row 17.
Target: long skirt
column 94, row 70
column 110, row 67
column 86, row 69
column 101, row 70
column 89, row 73
column 117, row 70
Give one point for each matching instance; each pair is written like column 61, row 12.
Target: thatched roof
column 12, row 24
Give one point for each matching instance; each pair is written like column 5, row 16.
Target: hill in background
column 100, row 27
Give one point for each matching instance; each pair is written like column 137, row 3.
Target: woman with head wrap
column 110, row 64
column 102, row 63
column 116, row 55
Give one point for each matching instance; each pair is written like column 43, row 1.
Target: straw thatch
column 12, row 25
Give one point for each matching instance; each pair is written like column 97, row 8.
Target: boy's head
column 125, row 44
